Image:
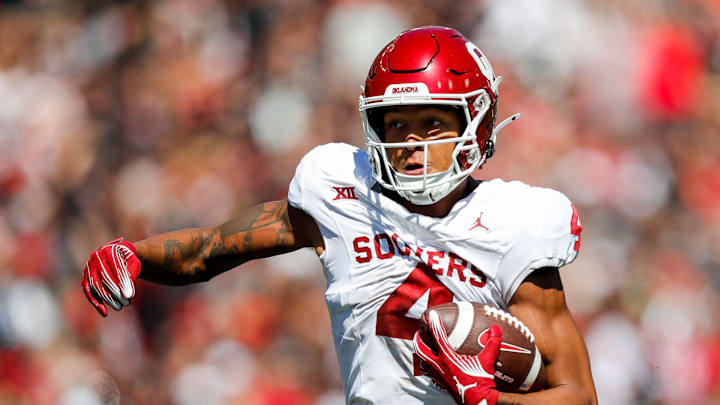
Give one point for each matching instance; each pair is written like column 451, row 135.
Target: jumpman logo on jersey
column 478, row 224
column 462, row 388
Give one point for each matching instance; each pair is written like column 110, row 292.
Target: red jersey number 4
column 393, row 318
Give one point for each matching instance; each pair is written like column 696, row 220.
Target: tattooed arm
column 194, row 255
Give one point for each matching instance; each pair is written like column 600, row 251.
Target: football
column 519, row 367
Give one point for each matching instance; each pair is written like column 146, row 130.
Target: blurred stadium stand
column 133, row 118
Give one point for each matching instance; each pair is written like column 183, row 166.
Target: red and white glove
column 110, row 274
column 469, row 379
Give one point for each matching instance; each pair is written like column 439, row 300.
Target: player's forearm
column 194, row 255
column 563, row 394
column 177, row 258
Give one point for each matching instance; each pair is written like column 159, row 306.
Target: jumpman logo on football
column 478, row 224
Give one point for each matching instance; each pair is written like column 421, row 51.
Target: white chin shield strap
column 444, row 184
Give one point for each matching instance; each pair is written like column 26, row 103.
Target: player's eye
column 394, row 124
column 433, row 122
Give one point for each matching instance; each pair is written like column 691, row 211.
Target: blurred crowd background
column 131, row 118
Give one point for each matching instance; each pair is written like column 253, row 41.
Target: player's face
column 421, row 123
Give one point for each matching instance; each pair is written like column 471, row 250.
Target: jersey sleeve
column 321, row 172
column 323, row 175
column 547, row 235
column 302, row 172
column 311, row 187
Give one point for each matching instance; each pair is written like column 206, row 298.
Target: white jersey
column 385, row 265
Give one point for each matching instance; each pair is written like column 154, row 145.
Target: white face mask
column 428, row 188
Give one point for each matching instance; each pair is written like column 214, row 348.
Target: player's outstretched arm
column 194, row 255
column 540, row 303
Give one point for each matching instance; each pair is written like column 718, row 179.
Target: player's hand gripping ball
column 519, row 367
column 468, row 378
column 110, row 274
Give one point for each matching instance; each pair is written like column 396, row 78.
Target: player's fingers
column 91, row 296
column 108, row 279
column 492, row 348
column 117, row 301
column 98, row 286
column 438, row 330
column 120, row 255
column 495, row 331
column 425, row 352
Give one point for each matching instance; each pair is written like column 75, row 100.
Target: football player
column 401, row 227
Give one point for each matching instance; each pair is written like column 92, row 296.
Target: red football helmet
column 434, row 66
